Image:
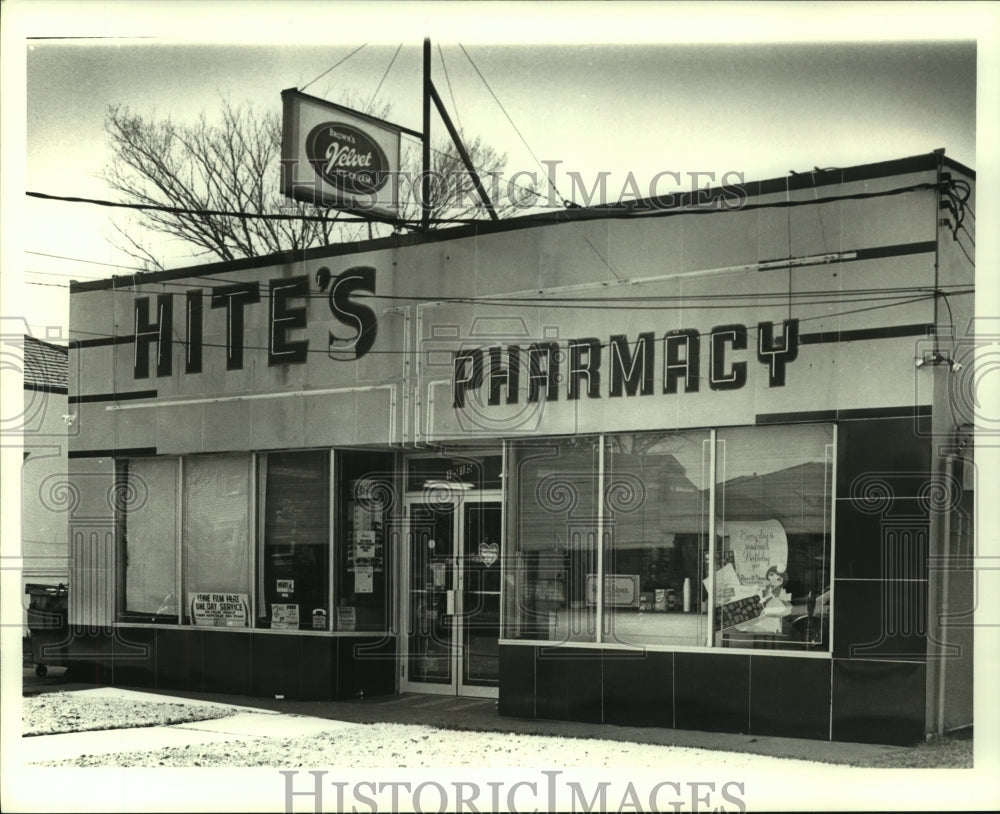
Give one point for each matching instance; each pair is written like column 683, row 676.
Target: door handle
column 449, row 602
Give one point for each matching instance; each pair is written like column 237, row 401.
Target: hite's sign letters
column 284, row 310
column 623, row 367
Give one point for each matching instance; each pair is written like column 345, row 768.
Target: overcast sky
column 749, row 89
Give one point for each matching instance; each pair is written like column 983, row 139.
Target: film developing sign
column 219, row 610
column 332, row 156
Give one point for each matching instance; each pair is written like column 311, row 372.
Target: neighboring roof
column 46, row 366
column 669, row 205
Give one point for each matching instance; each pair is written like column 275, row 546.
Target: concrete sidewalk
column 261, row 717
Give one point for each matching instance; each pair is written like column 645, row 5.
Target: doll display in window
column 774, row 600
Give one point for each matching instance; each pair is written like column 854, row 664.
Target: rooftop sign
column 336, row 157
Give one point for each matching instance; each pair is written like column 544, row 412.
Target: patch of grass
column 56, row 713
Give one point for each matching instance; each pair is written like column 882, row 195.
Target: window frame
column 256, row 508
column 260, row 516
column 512, row 489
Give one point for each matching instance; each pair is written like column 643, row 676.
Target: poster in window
column 438, row 575
column 284, row 617
column 756, row 546
column 363, row 582
column 364, row 548
column 219, row 609
column 347, row 618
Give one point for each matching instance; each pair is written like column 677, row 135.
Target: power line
column 959, row 244
column 334, row 66
column 64, row 274
column 750, row 328
column 49, row 285
column 605, row 211
column 174, row 210
column 603, row 301
column 123, row 285
column 81, row 260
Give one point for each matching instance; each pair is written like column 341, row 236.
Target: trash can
column 47, row 611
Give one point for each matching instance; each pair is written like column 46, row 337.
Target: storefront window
column 216, row 546
column 365, row 496
column 146, row 503
column 554, row 520
column 656, row 538
column 772, row 577
column 660, row 579
column 294, row 570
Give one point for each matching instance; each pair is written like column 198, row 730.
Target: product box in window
column 661, row 599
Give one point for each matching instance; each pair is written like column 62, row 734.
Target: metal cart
column 47, row 624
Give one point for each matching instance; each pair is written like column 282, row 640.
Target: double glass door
column 452, row 595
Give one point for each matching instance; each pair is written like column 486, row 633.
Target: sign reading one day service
column 337, row 157
column 219, row 610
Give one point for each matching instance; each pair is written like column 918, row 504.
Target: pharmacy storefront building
column 694, row 463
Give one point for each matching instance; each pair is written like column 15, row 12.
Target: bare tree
column 203, row 171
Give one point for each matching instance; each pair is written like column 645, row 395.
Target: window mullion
column 599, row 633
column 179, row 544
column 713, row 448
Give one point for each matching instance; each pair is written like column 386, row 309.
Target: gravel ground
column 53, row 713
column 408, row 746
column 392, row 745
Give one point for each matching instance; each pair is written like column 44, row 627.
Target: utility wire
column 971, row 261
column 66, row 274
column 614, row 210
column 81, row 260
column 371, row 104
column 750, row 328
column 509, row 119
column 654, row 302
column 451, row 92
column 175, row 210
column 334, row 66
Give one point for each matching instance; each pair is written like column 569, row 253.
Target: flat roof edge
column 796, row 181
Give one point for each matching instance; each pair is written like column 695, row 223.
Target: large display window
column 772, row 559
column 656, row 537
column 216, row 546
column 365, row 496
column 708, row 539
column 294, row 566
column 314, row 526
column 146, row 503
column 555, row 516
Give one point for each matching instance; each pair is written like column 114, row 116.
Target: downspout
column 944, row 548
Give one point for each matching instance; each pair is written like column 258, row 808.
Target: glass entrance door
column 452, row 602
